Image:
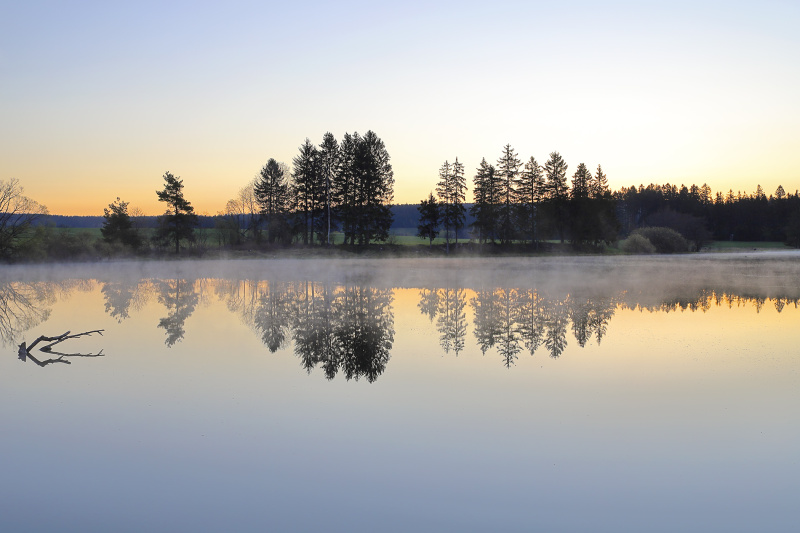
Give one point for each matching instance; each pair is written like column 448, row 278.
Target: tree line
column 516, row 202
column 345, row 186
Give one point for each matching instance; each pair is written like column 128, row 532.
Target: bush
column 692, row 228
column 666, row 240
column 637, row 244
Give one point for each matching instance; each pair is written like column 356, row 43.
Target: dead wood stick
column 62, row 338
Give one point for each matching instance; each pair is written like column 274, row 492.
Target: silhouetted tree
column 307, row 189
column 329, row 165
column 507, row 172
column 272, row 195
column 486, row 193
column 582, row 216
column 528, row 194
column 598, row 186
column 429, row 219
column 179, row 221
column 375, row 190
column 451, row 191
column 557, row 191
column 443, row 191
column 454, row 210
column 118, row 226
column 17, row 214
column 345, row 185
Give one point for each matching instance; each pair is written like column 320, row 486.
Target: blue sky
column 99, row 99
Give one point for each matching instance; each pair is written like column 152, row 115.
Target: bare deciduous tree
column 17, row 214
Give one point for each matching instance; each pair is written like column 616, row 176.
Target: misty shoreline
column 742, row 270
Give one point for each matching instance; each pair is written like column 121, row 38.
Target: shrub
column 666, row 240
column 637, row 244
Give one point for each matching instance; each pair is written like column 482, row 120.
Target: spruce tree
column 429, row 219
column 272, row 195
column 557, row 191
column 528, row 194
column 484, row 195
column 507, row 172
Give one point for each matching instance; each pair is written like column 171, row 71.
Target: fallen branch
column 25, row 351
column 61, row 338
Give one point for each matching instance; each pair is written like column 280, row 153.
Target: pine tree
column 557, row 191
column 507, row 172
column 272, row 195
column 345, row 185
column 455, row 207
column 375, row 190
column 599, row 184
column 329, row 160
column 429, row 219
column 581, row 183
column 118, row 226
column 444, row 190
column 529, row 193
column 179, row 221
column 484, row 195
column 306, row 189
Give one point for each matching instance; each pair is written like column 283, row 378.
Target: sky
column 99, row 99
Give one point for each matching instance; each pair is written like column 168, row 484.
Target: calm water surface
column 573, row 394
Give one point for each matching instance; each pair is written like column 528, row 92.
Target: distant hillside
column 405, row 216
column 64, row 221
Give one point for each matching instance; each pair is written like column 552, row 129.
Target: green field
column 208, row 238
column 734, row 246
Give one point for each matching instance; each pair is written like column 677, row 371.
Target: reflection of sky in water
column 680, row 420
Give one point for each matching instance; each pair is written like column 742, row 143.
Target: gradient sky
column 99, row 99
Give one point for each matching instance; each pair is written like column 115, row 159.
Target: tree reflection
column 121, row 297
column 510, row 318
column 452, row 322
column 314, row 328
column 556, row 320
column 347, row 329
column 429, row 302
column 531, row 318
column 365, row 331
column 22, row 306
column 180, row 298
column 487, row 327
column 272, row 315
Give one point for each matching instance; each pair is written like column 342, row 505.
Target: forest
column 339, row 194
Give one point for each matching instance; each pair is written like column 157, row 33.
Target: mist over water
column 573, row 393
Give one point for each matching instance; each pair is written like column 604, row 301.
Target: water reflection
column 121, row 297
column 24, row 304
column 180, row 298
column 448, row 304
column 338, row 328
column 346, row 326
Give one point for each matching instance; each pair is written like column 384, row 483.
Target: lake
column 502, row 394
